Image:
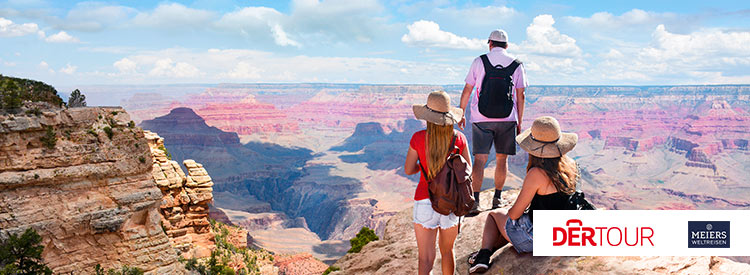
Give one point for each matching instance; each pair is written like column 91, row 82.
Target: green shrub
column 364, row 236
column 131, row 124
column 218, row 263
column 125, row 270
column 112, row 122
column 166, row 152
column 49, row 139
column 34, row 111
column 13, row 91
column 109, row 132
column 141, row 159
column 22, row 255
column 212, row 267
column 331, row 269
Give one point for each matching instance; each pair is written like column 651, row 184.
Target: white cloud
column 257, row 22
column 93, row 16
column 320, row 22
column 10, row 29
column 701, row 43
column 337, row 20
column 608, row 21
column 706, row 56
column 428, row 34
column 44, row 66
column 174, row 15
column 167, row 68
column 233, row 65
column 61, row 37
column 125, row 66
column 542, row 38
column 252, row 17
column 474, row 16
column 68, row 69
column 244, row 70
column 282, row 38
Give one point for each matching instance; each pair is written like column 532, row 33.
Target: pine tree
column 77, row 99
column 23, row 255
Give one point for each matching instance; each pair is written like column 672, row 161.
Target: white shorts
column 427, row 217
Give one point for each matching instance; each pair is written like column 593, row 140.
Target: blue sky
column 72, row 43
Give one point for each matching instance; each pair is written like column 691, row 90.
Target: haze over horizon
column 71, row 43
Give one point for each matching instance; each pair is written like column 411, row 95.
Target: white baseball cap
column 499, row 36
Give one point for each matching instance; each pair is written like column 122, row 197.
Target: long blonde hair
column 562, row 171
column 438, row 140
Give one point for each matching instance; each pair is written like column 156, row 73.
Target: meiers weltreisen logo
column 708, row 234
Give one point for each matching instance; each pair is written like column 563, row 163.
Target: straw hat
column 545, row 140
column 438, row 110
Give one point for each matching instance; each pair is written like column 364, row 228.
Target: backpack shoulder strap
column 424, row 174
column 453, row 147
column 513, row 65
column 486, row 62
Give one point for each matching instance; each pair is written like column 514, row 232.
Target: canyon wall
column 81, row 177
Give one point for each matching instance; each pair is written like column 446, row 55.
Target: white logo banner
column 641, row 233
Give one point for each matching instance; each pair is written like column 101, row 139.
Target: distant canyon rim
column 316, row 162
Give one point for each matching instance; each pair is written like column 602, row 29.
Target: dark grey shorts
column 502, row 134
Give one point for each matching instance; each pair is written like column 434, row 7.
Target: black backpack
column 577, row 201
column 496, row 95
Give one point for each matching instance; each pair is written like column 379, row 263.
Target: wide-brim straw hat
column 545, row 139
column 438, row 110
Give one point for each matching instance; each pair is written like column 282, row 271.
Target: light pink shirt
column 476, row 74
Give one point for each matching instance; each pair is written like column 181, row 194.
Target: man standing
column 496, row 110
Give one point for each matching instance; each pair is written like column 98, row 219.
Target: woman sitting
column 551, row 178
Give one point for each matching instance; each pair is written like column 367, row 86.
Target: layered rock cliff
column 185, row 201
column 81, row 177
column 396, row 253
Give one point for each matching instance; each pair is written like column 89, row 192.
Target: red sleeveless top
column 419, row 143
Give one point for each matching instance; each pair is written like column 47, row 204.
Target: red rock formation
column 246, row 116
column 185, row 201
column 299, row 264
column 347, row 109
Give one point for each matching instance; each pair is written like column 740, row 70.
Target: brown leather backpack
column 450, row 189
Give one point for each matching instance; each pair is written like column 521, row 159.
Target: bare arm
column 466, row 154
column 465, row 96
column 521, row 98
column 534, row 179
column 411, row 167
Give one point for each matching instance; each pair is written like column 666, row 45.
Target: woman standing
column 551, row 178
column 430, row 149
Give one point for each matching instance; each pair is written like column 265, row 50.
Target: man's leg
column 477, row 176
column 501, row 172
column 482, row 140
column 505, row 144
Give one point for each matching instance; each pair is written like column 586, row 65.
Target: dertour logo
column 641, row 233
column 575, row 234
column 708, row 234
